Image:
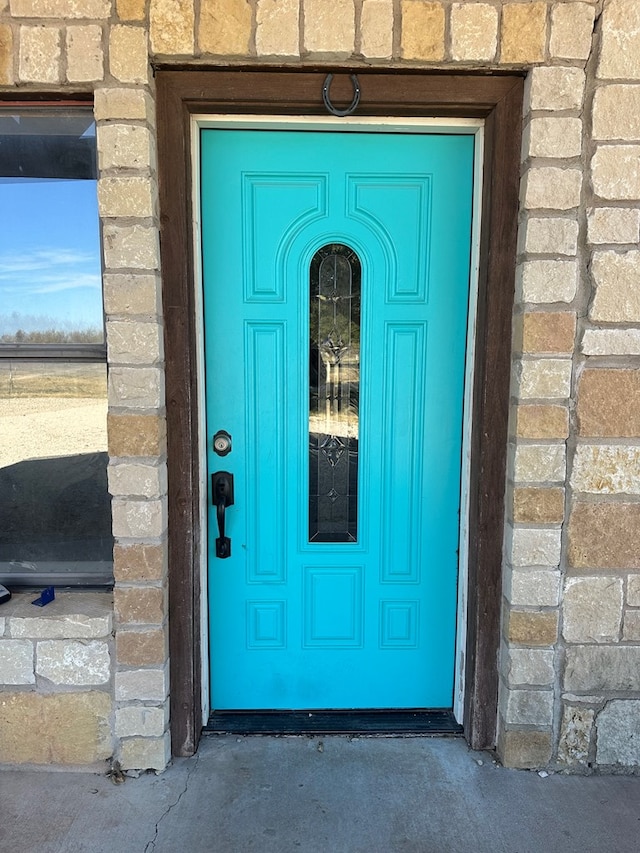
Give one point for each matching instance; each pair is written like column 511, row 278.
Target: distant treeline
column 54, row 336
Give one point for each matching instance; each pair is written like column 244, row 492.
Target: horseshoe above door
column 326, row 97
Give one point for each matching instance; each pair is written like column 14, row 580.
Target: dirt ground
column 40, row 427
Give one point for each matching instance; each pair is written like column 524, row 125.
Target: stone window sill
column 72, row 615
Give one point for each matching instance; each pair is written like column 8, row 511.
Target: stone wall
column 56, row 672
column 570, row 653
column 569, row 662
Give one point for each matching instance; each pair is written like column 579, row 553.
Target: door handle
column 222, row 497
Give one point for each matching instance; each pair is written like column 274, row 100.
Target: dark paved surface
column 321, row 795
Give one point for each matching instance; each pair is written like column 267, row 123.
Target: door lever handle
column 222, row 497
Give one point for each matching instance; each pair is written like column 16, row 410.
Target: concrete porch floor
column 321, row 795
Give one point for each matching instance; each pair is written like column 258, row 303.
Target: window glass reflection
column 50, row 273
column 55, row 512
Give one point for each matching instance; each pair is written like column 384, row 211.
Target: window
column 55, row 511
column 334, row 378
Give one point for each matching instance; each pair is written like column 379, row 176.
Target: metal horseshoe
column 327, row 99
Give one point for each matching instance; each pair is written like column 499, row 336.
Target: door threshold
column 431, row 722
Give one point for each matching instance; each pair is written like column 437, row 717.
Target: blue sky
column 49, row 254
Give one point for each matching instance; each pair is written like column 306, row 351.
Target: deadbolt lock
column 222, row 442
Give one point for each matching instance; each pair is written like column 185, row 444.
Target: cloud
column 73, row 282
column 48, row 271
column 42, row 259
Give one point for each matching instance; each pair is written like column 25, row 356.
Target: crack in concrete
column 151, row 844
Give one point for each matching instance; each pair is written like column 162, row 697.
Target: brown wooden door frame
column 298, row 91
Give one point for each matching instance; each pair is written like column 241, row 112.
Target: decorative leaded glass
column 334, row 376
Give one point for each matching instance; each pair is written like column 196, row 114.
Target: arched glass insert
column 334, row 378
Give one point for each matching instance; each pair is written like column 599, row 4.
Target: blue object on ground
column 46, row 596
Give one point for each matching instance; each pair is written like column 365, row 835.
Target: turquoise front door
column 336, row 283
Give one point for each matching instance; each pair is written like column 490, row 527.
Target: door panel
column 368, row 623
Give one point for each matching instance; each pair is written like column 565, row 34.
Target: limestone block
column 224, row 27
column 530, row 666
column 524, row 32
column 125, row 197
column 422, row 30
column 73, row 663
column 136, row 387
column 140, row 605
column 130, row 342
column 6, row 55
column 545, row 378
column 139, row 562
column 77, row 616
column 122, row 103
column 606, row 469
column 549, row 281
column 132, row 294
column 171, row 26
column 609, row 403
column 616, row 112
column 2, row 626
column 145, row 753
column 551, row 236
column 613, row 225
column 540, row 463
column 535, row 547
column 16, row 662
column 62, row 9
column 552, row 137
column 329, row 27
column 136, row 435
column 84, row 54
column 139, row 519
column 549, row 332
column 571, row 30
column 617, row 279
column 535, row 421
column 620, row 41
column 140, row 720
column 604, row 536
column 40, row 53
column 278, row 28
column 556, row 88
column 551, row 187
column 134, row 479
column 615, row 171
column 130, row 246
column 533, row 505
column 575, row 735
column 58, row 728
column 611, row 342
column 474, row 31
column 128, row 54
column 124, row 146
column 533, row 588
column 596, row 668
column 376, row 29
column 592, row 609
column 131, row 10
column 618, row 741
column 631, row 626
column 141, row 648
column 633, row 591
column 524, row 749
column 532, row 628
column 144, row 684
column 527, row 707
